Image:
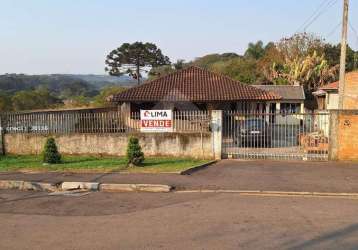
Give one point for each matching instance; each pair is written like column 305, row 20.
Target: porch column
column 267, row 111
column 2, row 132
column 125, row 109
column 302, row 108
column 267, row 108
column 278, row 107
column 216, row 125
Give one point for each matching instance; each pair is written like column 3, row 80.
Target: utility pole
column 342, row 71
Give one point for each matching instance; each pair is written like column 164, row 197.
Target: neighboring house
column 327, row 96
column 292, row 98
column 195, row 88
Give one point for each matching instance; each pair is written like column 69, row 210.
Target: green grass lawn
column 100, row 164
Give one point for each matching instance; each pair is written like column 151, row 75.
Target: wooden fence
column 95, row 121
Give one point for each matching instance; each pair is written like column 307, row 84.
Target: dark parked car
column 254, row 132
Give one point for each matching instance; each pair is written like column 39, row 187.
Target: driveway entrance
column 275, row 136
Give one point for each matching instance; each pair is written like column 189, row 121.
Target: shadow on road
column 346, row 238
column 24, row 197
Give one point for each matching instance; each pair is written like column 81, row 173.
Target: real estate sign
column 156, row 121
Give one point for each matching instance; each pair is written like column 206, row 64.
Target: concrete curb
column 28, row 185
column 86, row 186
column 271, row 193
column 154, row 188
column 197, row 168
column 91, row 186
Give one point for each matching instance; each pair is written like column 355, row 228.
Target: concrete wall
column 167, row 144
column 344, row 135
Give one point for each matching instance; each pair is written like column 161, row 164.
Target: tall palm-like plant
column 311, row 71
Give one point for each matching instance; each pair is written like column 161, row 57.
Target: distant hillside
column 25, row 92
column 100, row 81
column 62, row 85
column 58, row 85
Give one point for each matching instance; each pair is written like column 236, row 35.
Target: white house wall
column 332, row 100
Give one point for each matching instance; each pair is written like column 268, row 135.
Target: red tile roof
column 193, row 84
column 330, row 86
column 335, row 85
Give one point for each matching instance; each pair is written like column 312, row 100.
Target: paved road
column 175, row 221
column 234, row 174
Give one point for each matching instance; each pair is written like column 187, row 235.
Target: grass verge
column 100, row 164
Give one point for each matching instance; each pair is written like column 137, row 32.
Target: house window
column 289, row 108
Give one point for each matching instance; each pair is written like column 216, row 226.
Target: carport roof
column 194, row 84
column 287, row 92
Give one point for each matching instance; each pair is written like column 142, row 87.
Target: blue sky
column 74, row 36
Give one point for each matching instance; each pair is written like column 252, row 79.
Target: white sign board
column 156, row 121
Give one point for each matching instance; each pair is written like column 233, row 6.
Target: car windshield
column 254, row 123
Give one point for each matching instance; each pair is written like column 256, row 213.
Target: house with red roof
column 195, row 88
column 327, row 96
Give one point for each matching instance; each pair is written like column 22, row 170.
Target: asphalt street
column 34, row 220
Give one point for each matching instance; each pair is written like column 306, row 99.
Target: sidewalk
column 230, row 175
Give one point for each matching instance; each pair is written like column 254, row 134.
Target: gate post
column 216, row 125
column 333, row 136
column 2, row 132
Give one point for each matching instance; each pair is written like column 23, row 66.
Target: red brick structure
column 351, row 91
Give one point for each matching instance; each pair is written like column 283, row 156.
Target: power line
column 354, row 31
column 329, row 4
column 355, row 58
column 313, row 14
column 329, row 34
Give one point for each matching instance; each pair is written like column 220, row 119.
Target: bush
column 135, row 155
column 50, row 153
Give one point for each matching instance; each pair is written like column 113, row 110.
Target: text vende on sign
column 156, row 121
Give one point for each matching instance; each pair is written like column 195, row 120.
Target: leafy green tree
column 50, row 152
column 101, row 99
column 270, row 64
column 333, row 52
column 300, row 45
column 163, row 70
column 179, row 64
column 299, row 59
column 133, row 58
column 34, row 99
column 5, row 102
column 135, row 156
column 160, row 71
column 241, row 69
column 255, row 50
column 80, row 101
column 208, row 60
column 76, row 88
column 311, row 71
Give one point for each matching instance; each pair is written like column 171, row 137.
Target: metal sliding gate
column 275, row 136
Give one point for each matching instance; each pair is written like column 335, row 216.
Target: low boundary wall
column 194, row 145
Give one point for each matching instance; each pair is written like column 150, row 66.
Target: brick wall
column 351, row 91
column 344, row 135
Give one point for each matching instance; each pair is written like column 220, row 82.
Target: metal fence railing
column 276, row 136
column 95, row 121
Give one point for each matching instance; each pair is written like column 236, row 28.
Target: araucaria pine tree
column 135, row 155
column 50, row 153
